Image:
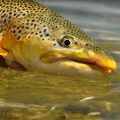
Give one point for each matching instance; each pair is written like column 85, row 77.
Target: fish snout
column 102, row 60
column 82, row 59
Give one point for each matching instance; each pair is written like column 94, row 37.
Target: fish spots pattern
column 26, row 17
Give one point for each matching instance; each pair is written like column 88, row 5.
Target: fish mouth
column 82, row 60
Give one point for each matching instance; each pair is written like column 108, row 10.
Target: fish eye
column 66, row 41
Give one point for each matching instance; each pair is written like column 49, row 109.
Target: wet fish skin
column 41, row 39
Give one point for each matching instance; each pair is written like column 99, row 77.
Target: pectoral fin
column 3, row 52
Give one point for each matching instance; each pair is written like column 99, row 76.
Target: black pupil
column 67, row 42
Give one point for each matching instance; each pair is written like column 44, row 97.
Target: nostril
column 88, row 45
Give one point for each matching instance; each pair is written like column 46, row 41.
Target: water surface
column 38, row 96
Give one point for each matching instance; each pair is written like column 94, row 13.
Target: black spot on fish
column 18, row 38
column 47, row 35
column 14, row 31
column 19, row 31
column 76, row 43
column 41, row 35
column 54, row 44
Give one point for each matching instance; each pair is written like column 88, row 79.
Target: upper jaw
column 99, row 60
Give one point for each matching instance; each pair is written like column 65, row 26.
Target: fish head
column 49, row 42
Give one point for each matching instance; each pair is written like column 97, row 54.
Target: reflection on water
column 37, row 96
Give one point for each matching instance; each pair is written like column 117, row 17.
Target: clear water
column 37, row 96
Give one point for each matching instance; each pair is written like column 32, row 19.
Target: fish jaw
column 81, row 60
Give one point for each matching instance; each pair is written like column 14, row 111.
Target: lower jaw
column 81, row 67
column 67, row 67
column 64, row 67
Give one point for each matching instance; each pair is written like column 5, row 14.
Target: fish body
column 40, row 39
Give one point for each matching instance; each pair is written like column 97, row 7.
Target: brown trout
column 38, row 38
